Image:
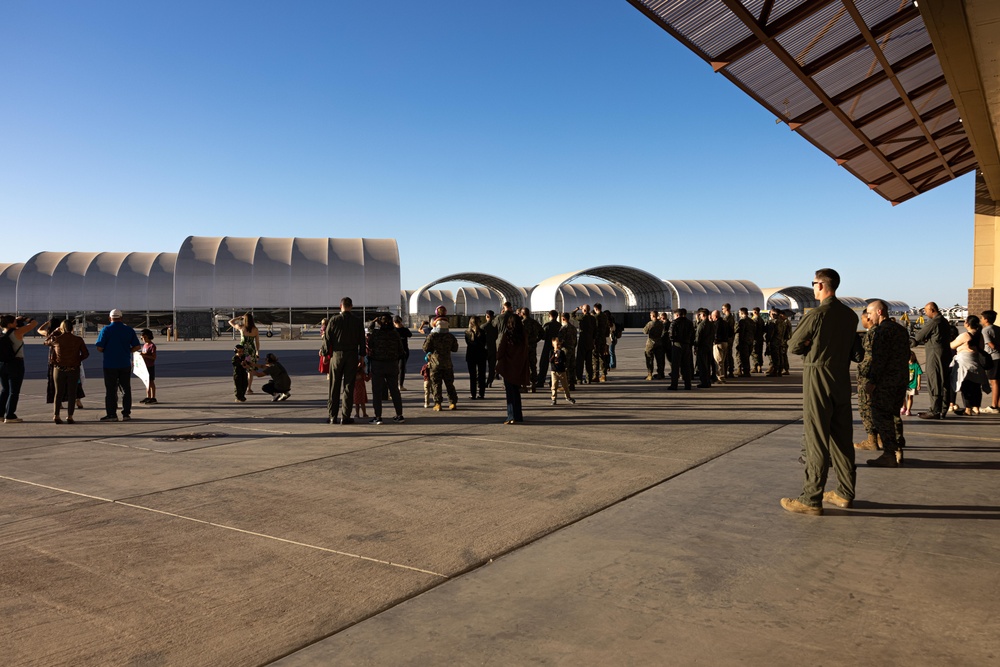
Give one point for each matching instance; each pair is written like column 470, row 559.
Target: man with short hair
column 533, row 332
column 585, row 343
column 886, row 377
column 825, row 338
column 721, row 344
column 117, row 342
column 344, row 343
column 744, row 341
column 704, row 339
column 773, row 333
column 758, row 341
column 936, row 338
column 601, row 332
column 439, row 345
column 567, row 340
column 681, row 335
column 654, row 345
column 727, row 316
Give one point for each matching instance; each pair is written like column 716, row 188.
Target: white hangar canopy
column 643, row 291
column 507, row 291
column 8, row 286
column 711, row 294
column 611, row 297
column 429, row 300
column 284, row 273
column 799, row 297
column 476, row 301
column 73, row 282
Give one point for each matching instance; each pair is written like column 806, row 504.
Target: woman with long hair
column 512, row 365
column 475, row 358
column 967, row 373
column 249, row 339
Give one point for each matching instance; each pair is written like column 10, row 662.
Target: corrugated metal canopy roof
column 859, row 79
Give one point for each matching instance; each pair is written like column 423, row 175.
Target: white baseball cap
column 116, row 314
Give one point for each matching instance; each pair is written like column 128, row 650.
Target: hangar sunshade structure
column 903, row 94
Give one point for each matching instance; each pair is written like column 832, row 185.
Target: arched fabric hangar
column 800, row 298
column 226, row 273
column 8, row 286
column 476, row 301
column 429, row 300
column 643, row 290
column 711, row 294
column 507, row 291
column 611, row 297
column 91, row 284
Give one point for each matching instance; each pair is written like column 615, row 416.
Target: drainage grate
column 184, row 437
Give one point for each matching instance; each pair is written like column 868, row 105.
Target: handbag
column 324, row 364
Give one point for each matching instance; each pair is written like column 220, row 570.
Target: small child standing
column 914, row 387
column 240, row 373
column 425, row 373
column 557, row 361
column 148, row 353
column 361, row 390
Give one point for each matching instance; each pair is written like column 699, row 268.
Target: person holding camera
column 12, row 363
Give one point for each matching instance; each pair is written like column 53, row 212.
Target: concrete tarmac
column 637, row 527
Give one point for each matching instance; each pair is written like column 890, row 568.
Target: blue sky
column 523, row 139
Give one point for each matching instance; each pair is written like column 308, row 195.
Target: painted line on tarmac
column 280, row 539
column 225, row 527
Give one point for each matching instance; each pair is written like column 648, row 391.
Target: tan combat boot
column 870, row 443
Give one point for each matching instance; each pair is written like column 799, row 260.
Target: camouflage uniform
column 440, row 345
column 784, row 333
column 729, row 366
column 888, row 370
column 654, row 347
column 758, row 344
column 585, row 344
column 744, row 344
column 864, row 400
column 567, row 340
column 601, row 355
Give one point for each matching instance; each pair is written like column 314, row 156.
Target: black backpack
column 7, row 354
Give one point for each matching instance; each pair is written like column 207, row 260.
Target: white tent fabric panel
column 76, row 282
column 233, row 285
column 611, row 297
column 309, row 272
column 100, row 282
column 711, row 294
column 476, row 301
column 271, row 268
column 8, row 286
column 160, row 285
column 194, row 276
column 381, row 272
column 429, row 300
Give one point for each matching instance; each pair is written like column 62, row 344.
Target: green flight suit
column 825, row 338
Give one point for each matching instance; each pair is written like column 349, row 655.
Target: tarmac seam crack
column 111, row 501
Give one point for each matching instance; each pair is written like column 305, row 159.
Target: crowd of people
column 577, row 348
